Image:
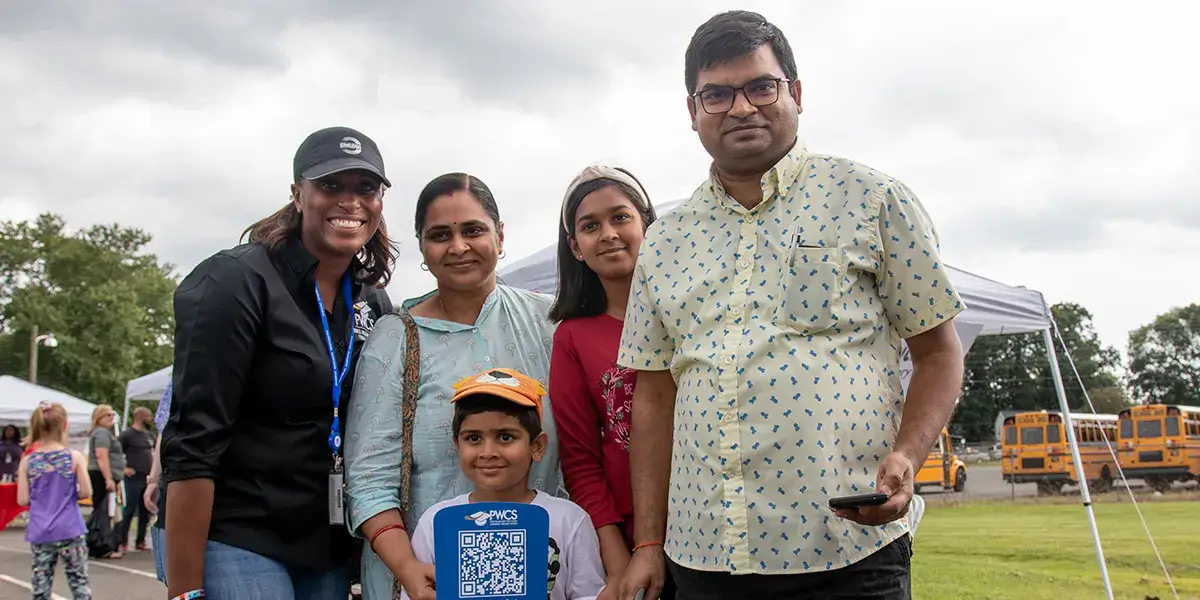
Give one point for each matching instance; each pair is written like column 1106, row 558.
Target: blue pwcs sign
column 495, row 550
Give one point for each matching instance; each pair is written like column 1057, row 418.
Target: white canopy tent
column 993, row 308
column 19, row 398
column 998, row 308
column 147, row 388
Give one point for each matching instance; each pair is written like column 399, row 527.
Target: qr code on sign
column 491, row 563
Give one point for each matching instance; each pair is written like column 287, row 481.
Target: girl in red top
column 605, row 214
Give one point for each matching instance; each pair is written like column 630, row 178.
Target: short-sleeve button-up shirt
column 782, row 326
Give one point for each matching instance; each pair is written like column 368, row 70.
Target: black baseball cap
column 336, row 149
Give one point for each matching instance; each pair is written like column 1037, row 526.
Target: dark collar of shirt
column 252, row 405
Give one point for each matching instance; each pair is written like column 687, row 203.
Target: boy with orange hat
column 497, row 429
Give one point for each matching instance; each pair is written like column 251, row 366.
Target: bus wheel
column 1046, row 488
column 1105, row 483
column 960, row 479
column 916, row 489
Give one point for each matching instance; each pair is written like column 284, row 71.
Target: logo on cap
column 351, row 145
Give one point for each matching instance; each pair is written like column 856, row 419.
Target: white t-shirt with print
column 573, row 545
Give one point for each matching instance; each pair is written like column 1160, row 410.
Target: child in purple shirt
column 50, row 481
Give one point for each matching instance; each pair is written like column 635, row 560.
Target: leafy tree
column 1109, row 400
column 1164, row 358
column 108, row 302
column 1012, row 372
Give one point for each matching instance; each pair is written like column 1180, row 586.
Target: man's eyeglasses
column 719, row 99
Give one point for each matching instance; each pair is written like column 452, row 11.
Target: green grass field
column 1035, row 551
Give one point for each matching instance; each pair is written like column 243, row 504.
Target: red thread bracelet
column 371, row 543
column 645, row 545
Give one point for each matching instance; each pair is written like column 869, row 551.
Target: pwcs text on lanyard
column 335, row 439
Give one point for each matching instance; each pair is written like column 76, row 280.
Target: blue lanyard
column 335, row 440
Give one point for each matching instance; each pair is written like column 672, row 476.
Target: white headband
column 603, row 171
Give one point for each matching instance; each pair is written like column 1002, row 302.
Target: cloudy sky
column 1055, row 148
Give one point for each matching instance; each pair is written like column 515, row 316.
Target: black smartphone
column 857, row 501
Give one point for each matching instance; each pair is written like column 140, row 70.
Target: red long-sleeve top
column 592, row 402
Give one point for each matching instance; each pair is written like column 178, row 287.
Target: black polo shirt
column 252, row 406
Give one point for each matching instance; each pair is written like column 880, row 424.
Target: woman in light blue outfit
column 400, row 457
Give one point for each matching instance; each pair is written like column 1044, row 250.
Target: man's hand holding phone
column 895, row 481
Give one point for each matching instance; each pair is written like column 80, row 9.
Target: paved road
column 987, row 483
column 128, row 578
column 983, row 482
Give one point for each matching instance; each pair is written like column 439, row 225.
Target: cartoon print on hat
column 510, row 384
column 499, row 377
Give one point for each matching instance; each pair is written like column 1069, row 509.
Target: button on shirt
column 252, row 403
column 782, row 327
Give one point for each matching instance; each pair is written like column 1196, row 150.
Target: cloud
column 1053, row 147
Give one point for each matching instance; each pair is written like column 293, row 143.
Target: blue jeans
column 158, row 543
column 234, row 574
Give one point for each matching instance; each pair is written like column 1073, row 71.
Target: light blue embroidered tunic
column 513, row 331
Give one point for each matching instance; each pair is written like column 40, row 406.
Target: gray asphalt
column 128, row 578
column 983, row 483
column 987, row 483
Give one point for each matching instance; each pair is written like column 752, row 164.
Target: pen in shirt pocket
column 800, row 244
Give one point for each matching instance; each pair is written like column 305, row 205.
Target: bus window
column 1053, row 435
column 1172, row 426
column 1010, row 436
column 1150, row 428
column 1032, row 435
column 1126, row 429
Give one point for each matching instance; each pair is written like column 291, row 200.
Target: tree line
column 1012, row 372
column 105, row 299
column 109, row 304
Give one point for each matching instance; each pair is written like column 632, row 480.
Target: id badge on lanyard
column 337, row 510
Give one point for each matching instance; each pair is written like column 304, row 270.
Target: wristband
column 192, row 595
column 645, row 545
column 371, row 542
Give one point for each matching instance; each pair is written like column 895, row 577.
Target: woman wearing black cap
column 265, row 334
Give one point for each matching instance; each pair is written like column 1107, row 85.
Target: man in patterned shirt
column 766, row 319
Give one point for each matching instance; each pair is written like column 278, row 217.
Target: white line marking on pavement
column 18, row 582
column 95, row 562
column 108, row 565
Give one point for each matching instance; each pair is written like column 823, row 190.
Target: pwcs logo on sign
column 496, row 517
column 350, row 145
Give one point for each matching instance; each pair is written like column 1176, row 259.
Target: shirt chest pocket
column 811, row 282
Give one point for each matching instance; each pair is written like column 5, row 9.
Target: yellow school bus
column 1160, row 443
column 942, row 467
column 1035, row 450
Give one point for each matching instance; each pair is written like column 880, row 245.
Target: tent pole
column 125, row 414
column 1084, row 493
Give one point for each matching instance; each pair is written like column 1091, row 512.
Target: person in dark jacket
column 265, row 343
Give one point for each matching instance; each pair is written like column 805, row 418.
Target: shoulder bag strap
column 408, row 410
column 411, row 378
